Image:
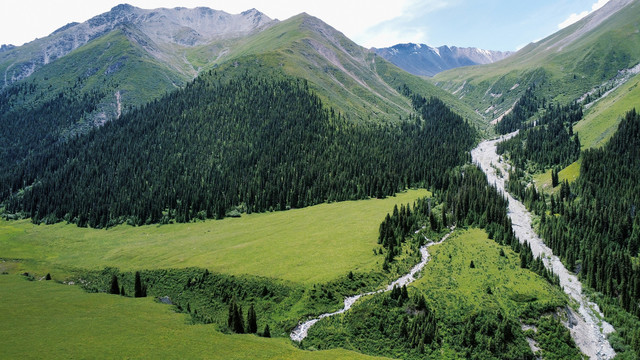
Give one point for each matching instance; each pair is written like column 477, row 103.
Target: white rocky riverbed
column 587, row 327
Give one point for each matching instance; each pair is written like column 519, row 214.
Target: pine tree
column 252, row 324
column 115, row 288
column 266, row 332
column 554, row 178
column 48, row 277
column 139, row 290
column 122, row 293
column 472, row 265
column 238, row 321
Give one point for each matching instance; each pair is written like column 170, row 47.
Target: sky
column 487, row 24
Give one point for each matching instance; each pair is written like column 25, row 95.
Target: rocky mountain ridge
column 424, row 60
column 159, row 29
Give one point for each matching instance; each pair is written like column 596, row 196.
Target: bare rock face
column 424, row 60
column 162, row 27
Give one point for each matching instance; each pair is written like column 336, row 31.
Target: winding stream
column 300, row 331
column 586, row 326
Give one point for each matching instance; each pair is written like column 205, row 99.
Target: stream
column 300, row 331
column 586, row 326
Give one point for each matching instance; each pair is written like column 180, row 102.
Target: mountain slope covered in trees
column 238, row 142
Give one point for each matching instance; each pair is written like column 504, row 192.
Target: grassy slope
column 338, row 69
column 577, row 68
column 315, row 244
column 601, row 121
column 48, row 320
column 452, row 287
column 598, row 125
column 116, row 63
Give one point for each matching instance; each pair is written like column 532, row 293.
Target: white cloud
column 575, row 17
column 404, row 27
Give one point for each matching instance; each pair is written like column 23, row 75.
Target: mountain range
column 424, row 60
column 155, row 117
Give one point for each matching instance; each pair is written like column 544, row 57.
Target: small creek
column 300, row 331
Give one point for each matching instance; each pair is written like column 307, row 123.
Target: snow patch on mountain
column 424, row 60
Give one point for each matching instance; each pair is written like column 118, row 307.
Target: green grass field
column 570, row 173
column 310, row 245
column 47, row 320
column 601, row 121
column 451, row 286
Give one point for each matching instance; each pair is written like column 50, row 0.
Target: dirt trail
column 586, row 326
column 300, row 331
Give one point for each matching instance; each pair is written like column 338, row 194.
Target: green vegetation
column 292, row 245
column 270, row 145
column 592, row 225
column 448, row 282
column 570, row 174
column 63, row 321
column 601, row 120
column 450, row 303
column 564, row 66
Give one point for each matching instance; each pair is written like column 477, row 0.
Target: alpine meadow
column 193, row 184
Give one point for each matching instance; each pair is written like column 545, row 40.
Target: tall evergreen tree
column 252, row 323
column 115, row 288
column 139, row 290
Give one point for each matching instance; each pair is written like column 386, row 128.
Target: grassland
column 43, row 319
column 451, row 286
column 310, row 245
column 570, row 173
column 601, row 121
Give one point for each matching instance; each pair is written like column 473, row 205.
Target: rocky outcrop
column 178, row 26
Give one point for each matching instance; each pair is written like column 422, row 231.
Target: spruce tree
column 115, row 288
column 122, row 293
column 266, row 332
column 139, row 290
column 238, row 320
column 252, row 324
column 48, row 277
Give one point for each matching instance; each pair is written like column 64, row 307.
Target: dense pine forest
column 31, row 126
column 544, row 141
column 223, row 146
column 593, row 225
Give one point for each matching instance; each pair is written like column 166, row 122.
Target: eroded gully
column 586, row 326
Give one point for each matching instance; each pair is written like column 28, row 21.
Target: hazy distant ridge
column 424, row 60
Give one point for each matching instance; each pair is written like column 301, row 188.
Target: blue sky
column 487, row 24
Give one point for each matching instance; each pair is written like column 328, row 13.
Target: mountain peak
column 123, row 8
column 425, row 60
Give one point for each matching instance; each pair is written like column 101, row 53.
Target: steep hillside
column 563, row 66
column 342, row 73
column 235, row 139
column 424, row 60
column 164, row 30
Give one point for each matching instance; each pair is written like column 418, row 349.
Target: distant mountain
column 424, row 60
column 595, row 52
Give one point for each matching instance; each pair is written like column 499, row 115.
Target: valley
column 587, row 327
column 190, row 183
